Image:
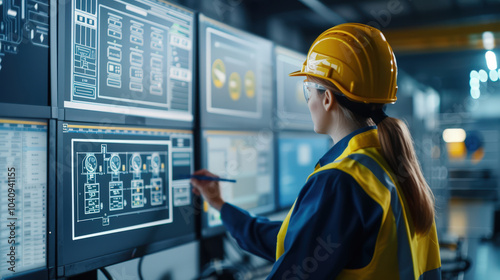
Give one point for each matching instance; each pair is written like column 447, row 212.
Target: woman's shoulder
column 327, row 180
column 359, row 174
column 335, row 186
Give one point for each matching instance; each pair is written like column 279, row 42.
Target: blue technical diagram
column 23, row 22
column 135, row 56
column 123, row 184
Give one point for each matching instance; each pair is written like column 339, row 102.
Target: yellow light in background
column 477, row 156
column 454, row 135
column 456, row 150
column 458, row 220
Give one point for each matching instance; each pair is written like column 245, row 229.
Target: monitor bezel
column 81, row 266
column 44, row 273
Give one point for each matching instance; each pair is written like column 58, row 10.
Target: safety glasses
column 308, row 86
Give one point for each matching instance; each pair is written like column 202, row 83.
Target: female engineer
column 366, row 212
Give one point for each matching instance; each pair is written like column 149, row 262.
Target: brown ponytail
column 397, row 149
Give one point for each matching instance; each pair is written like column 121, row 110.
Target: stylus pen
column 208, row 178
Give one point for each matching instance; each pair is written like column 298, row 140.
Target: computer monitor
column 298, row 155
column 236, row 83
column 23, row 210
column 292, row 110
column 24, row 52
column 247, row 157
column 131, row 58
column 122, row 192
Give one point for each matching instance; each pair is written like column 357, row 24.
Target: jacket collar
column 361, row 138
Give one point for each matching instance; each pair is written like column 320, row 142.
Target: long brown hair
column 397, row 149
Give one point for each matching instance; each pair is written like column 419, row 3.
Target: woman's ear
column 329, row 100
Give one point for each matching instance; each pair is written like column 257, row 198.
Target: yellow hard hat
column 357, row 59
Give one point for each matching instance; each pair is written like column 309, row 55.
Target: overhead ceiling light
column 488, row 40
column 474, row 74
column 474, row 83
column 483, row 76
column 493, row 75
column 491, row 60
column 475, row 93
column 454, row 135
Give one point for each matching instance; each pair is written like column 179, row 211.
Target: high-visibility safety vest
column 399, row 252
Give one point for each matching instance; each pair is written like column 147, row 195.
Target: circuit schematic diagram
column 133, row 54
column 23, row 22
column 119, row 184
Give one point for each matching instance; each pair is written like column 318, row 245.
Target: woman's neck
column 340, row 131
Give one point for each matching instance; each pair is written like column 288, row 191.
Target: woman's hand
column 210, row 190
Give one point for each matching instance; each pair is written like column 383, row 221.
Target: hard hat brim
column 297, row 73
column 345, row 92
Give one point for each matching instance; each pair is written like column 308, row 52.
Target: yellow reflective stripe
column 280, row 241
column 425, row 248
column 404, row 252
column 428, row 255
column 363, row 140
column 384, row 263
column 385, row 269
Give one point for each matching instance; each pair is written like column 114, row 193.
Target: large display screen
column 246, row 157
column 292, row 107
column 122, row 183
column 298, row 155
column 23, row 209
column 130, row 57
column 24, row 52
column 236, row 81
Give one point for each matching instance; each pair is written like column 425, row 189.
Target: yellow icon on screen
column 250, row 84
column 234, row 86
column 218, row 73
